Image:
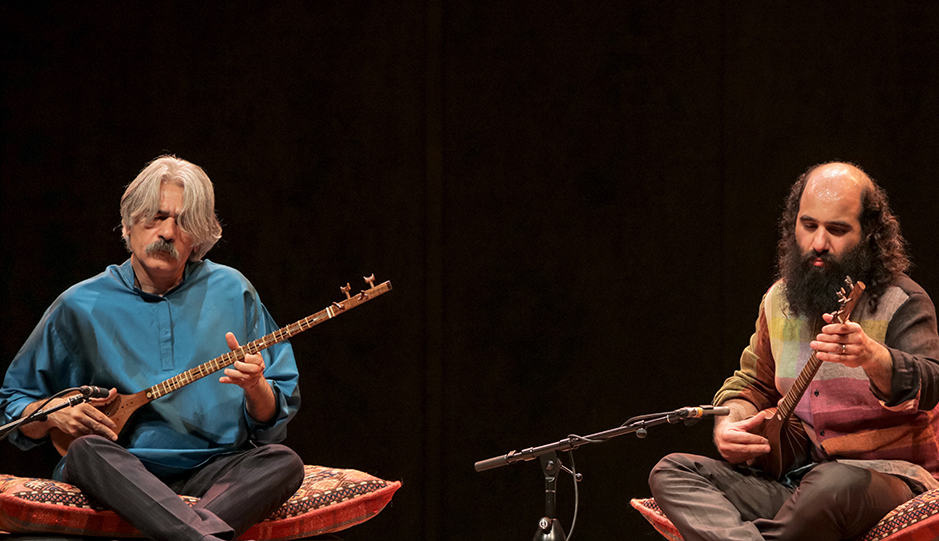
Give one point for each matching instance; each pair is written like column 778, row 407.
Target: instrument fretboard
column 847, row 301
column 181, row 380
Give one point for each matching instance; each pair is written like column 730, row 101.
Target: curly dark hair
column 879, row 228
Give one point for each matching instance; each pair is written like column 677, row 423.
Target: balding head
column 836, row 181
column 835, row 192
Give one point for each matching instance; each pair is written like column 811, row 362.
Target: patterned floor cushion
column 329, row 500
column 651, row 512
column 915, row 520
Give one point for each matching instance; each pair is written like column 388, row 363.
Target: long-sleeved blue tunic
column 107, row 332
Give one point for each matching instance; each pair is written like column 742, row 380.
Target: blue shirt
column 107, row 332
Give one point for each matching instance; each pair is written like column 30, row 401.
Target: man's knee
column 87, row 442
column 287, row 462
column 674, row 462
column 842, row 486
column 86, row 447
column 665, row 469
column 845, row 500
column 83, row 455
column 839, row 484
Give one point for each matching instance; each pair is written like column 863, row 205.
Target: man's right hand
column 735, row 441
column 75, row 421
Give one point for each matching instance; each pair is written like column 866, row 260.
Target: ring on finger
column 844, row 349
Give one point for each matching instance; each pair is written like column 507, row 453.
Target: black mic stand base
column 549, row 529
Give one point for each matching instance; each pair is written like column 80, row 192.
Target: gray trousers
column 710, row 500
column 236, row 491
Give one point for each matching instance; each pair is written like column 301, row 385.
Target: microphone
column 90, row 391
column 691, row 414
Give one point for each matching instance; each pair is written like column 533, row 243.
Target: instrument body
column 122, row 406
column 789, row 443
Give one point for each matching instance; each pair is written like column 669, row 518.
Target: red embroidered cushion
column 915, row 520
column 329, row 500
column 651, row 512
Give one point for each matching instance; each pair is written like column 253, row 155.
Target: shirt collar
column 126, row 271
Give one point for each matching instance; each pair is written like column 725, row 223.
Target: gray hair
column 141, row 202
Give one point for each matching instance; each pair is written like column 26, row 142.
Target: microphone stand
column 40, row 415
column 549, row 528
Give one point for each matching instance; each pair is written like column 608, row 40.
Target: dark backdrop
column 576, row 204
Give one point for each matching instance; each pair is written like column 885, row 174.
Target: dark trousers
column 710, row 500
column 236, row 491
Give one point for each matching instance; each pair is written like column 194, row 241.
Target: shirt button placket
column 165, row 322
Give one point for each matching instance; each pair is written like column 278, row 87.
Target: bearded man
column 870, row 412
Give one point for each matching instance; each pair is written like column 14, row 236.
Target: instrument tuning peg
column 346, row 289
column 370, row 280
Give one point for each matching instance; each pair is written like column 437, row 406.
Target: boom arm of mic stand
column 633, row 425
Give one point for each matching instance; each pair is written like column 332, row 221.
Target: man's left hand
column 246, row 373
column 848, row 344
column 249, row 375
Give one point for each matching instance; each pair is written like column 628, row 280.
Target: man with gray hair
column 161, row 313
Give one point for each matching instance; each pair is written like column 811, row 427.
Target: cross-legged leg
column 710, row 500
column 113, row 476
column 835, row 501
column 245, row 488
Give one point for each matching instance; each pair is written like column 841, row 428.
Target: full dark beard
column 812, row 291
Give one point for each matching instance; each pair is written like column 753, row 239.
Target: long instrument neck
column 794, row 394
column 788, row 404
column 176, row 382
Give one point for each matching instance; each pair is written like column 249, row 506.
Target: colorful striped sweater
column 842, row 412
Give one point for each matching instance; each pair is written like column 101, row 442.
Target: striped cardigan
column 840, row 409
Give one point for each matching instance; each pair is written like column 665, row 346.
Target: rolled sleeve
column 913, row 344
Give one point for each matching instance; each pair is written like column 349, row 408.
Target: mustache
column 162, row 246
column 811, row 255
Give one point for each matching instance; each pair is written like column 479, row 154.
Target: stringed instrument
column 789, row 443
column 123, row 406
